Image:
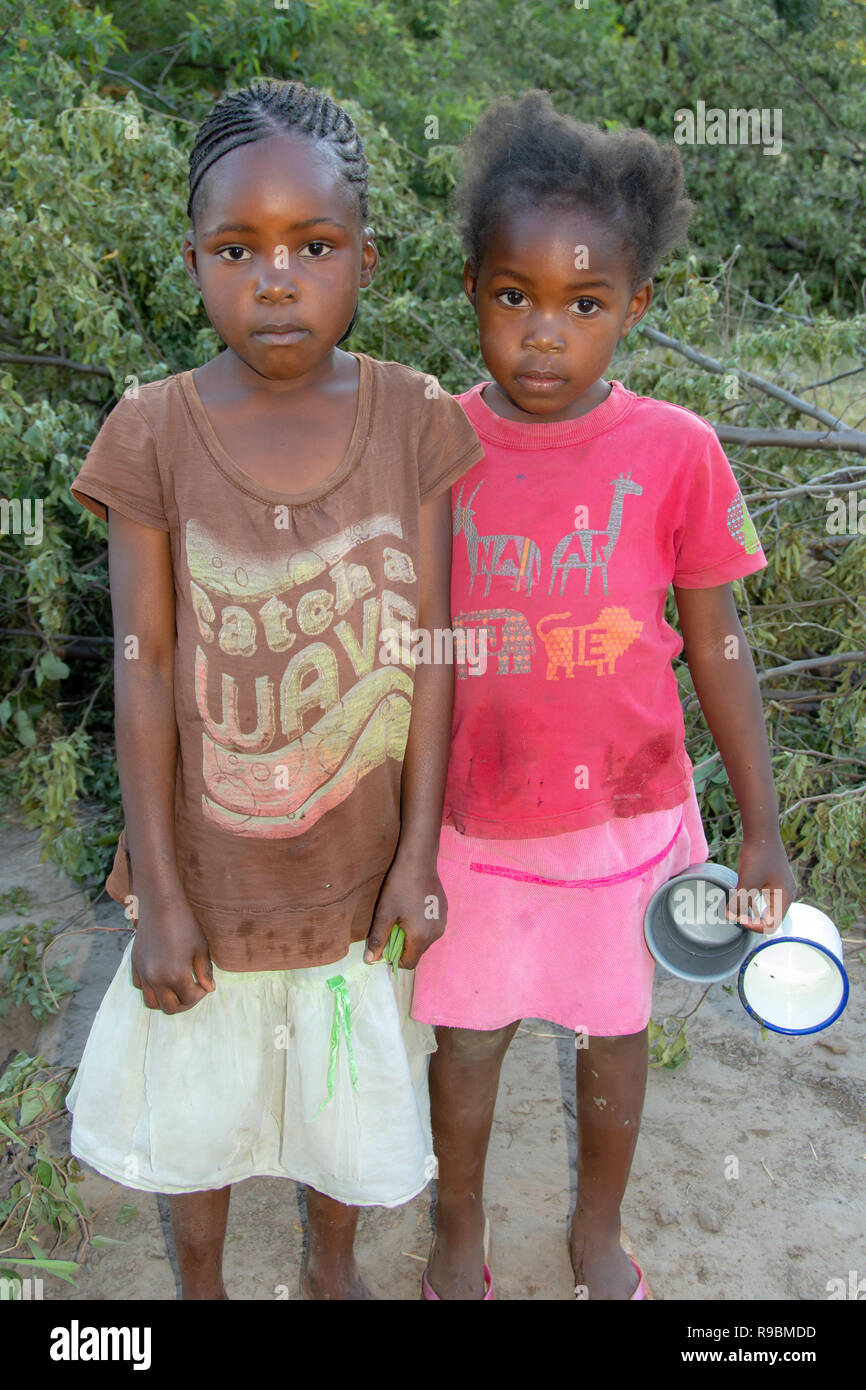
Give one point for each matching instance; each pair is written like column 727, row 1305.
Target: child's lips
column 279, row 333
column 540, row 381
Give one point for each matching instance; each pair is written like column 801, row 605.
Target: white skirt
column 319, row 1075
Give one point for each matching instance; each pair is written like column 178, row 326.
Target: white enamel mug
column 794, row 980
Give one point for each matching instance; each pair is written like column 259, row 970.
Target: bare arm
column 142, row 605
column 726, row 684
column 168, row 940
column 412, row 891
column 425, row 766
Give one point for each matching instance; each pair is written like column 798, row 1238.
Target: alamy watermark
column 700, row 901
column 22, row 516
column 736, row 126
column 854, row 1288
column 77, row 1343
column 846, row 516
column 16, row 1290
column 443, row 646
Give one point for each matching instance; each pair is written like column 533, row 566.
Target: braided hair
column 268, row 107
column 525, row 154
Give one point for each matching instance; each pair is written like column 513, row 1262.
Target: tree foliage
column 97, row 112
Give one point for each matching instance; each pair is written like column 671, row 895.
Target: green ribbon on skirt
column 342, row 1016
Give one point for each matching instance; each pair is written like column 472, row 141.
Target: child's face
column 553, row 296
column 278, row 241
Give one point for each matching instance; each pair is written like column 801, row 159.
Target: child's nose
column 544, row 335
column 277, row 279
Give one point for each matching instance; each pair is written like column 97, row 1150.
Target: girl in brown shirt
column 273, row 516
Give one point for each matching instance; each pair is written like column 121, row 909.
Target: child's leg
column 198, row 1220
column 611, row 1080
column 328, row 1270
column 464, row 1078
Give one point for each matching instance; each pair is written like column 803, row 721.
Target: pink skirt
column 553, row 928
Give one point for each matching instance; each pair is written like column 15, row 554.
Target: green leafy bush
column 38, row 1196
column 97, row 113
column 21, row 951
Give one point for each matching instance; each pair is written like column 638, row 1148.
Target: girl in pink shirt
column 570, row 796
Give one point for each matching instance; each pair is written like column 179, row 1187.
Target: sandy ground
column 790, row 1111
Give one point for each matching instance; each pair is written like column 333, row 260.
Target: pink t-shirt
column 567, row 537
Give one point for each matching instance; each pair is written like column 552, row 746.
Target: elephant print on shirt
column 508, row 634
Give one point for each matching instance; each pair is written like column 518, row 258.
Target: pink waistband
column 522, row 877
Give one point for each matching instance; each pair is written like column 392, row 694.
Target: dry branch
column 711, row 364
column 837, row 436
column 44, row 359
column 852, row 441
column 792, row 668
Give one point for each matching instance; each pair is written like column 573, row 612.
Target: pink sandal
column 641, row 1290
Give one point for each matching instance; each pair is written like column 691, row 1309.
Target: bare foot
column 317, row 1282
column 602, row 1267
column 455, row 1269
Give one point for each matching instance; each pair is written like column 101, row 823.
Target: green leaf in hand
column 394, row 948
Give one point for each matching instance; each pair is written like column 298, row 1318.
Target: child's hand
column 413, row 897
column 169, row 947
column 763, row 867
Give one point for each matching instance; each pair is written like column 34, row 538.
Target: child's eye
column 585, row 306
column 225, row 254
column 317, row 250
column 512, row 298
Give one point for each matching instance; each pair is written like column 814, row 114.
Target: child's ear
column 369, row 258
column 189, row 259
column 640, row 302
column 470, row 282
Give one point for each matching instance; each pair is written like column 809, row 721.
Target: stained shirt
column 292, row 712
column 568, row 536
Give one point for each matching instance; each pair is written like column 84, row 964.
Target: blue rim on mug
column 774, row 1027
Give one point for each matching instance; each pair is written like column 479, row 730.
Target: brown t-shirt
column 291, row 726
